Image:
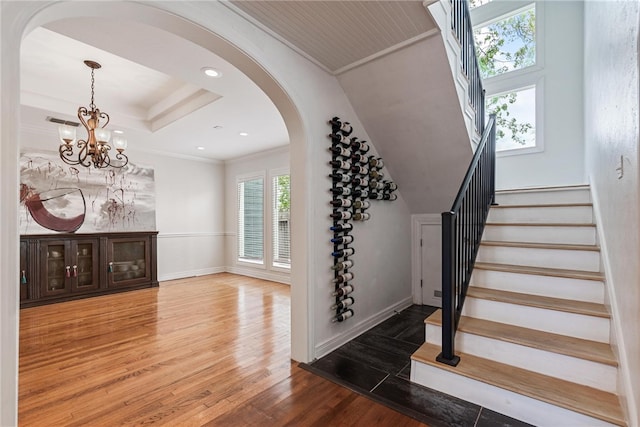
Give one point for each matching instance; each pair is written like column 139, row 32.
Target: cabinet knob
column 23, row 277
column 68, row 271
column 75, row 271
column 110, row 269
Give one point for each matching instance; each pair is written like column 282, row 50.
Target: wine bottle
column 361, row 216
column 343, row 316
column 340, row 151
column 361, row 146
column 359, row 158
column 338, row 215
column 341, row 203
column 343, row 252
column 340, row 177
column 390, row 186
column 340, row 191
column 343, row 265
column 376, row 163
column 359, row 169
column 361, row 193
column 360, row 182
column 377, row 175
column 340, row 164
column 376, row 185
column 343, row 278
column 343, row 304
column 361, row 204
column 336, row 138
column 383, row 196
column 337, row 125
column 338, row 228
column 345, row 290
column 342, row 240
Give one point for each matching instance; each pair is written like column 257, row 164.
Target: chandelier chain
column 92, row 105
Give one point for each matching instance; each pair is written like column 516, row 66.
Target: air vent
column 437, row 294
column 62, row 122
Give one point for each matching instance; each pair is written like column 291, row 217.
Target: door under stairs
column 534, row 333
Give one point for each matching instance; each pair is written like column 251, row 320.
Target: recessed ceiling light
column 200, row 148
column 211, row 72
column 118, row 131
column 243, row 134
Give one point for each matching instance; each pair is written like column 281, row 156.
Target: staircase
column 534, row 333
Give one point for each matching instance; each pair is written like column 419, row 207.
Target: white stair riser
column 530, row 197
column 543, row 214
column 540, row 234
column 558, row 322
column 547, row 258
column 580, row 371
column 503, row 401
column 550, row 286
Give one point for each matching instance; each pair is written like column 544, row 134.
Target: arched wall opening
column 18, row 19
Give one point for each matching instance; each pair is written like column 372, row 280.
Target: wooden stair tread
column 558, row 304
column 539, row 205
column 558, row 246
column 561, row 344
column 541, row 271
column 575, row 397
column 541, row 224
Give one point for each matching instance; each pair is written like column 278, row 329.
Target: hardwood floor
column 211, row 350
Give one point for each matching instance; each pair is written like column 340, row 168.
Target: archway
column 18, row 19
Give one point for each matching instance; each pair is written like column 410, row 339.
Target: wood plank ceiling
column 338, row 34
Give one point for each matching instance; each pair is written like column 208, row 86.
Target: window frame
column 273, row 173
column 245, row 261
column 522, row 78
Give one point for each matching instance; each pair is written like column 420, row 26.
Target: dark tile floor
column 377, row 365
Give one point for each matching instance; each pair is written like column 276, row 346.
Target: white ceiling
column 150, row 84
column 340, row 34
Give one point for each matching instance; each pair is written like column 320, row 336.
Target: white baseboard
column 368, row 323
column 190, row 273
column 625, row 389
column 260, row 274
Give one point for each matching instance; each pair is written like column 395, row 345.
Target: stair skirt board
column 500, row 400
column 568, row 234
column 578, row 194
column 562, row 214
column 568, row 368
column 558, row 322
column 586, row 260
column 551, row 286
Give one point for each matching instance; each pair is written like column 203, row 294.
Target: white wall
column 562, row 161
column 264, row 164
column 189, row 216
column 612, row 131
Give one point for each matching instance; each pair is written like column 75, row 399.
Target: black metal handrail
column 463, row 30
column 462, row 229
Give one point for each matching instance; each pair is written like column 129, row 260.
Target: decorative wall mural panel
column 55, row 197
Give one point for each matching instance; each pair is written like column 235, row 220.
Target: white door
column 431, row 264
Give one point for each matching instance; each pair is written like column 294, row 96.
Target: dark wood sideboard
column 62, row 267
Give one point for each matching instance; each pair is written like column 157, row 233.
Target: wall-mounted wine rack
column 357, row 178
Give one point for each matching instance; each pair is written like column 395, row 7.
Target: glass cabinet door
column 129, row 261
column 84, row 271
column 56, row 268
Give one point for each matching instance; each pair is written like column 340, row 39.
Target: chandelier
column 95, row 150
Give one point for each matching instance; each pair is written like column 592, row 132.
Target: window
column 251, row 220
column 281, row 226
column 506, row 36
